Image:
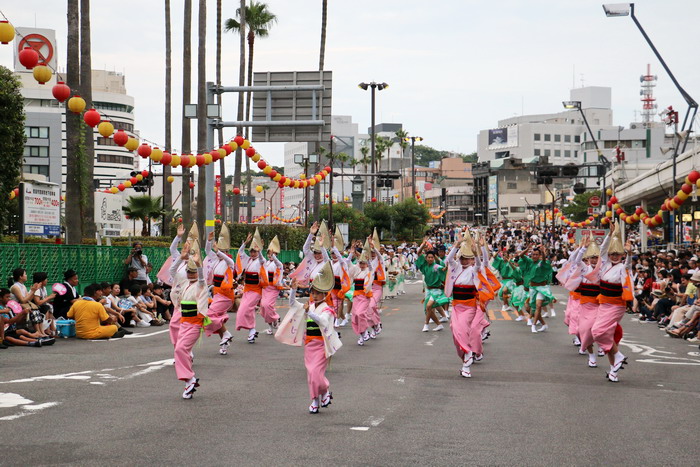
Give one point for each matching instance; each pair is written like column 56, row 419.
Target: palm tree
column 380, row 145
column 342, row 158
column 145, row 209
column 364, row 150
column 239, row 130
column 324, row 22
column 186, row 96
column 73, row 125
column 258, row 20
column 202, row 115
column 401, row 135
column 87, row 198
column 167, row 188
column 354, row 163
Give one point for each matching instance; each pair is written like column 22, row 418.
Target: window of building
column 537, row 137
column 520, row 209
column 577, row 139
column 123, row 126
column 557, row 153
column 537, row 152
column 36, row 131
column 106, row 141
column 114, row 159
column 512, row 186
column 557, row 138
column 567, row 153
column 575, row 153
column 547, row 153
column 37, row 169
column 36, row 151
column 112, row 106
column 547, row 137
column 567, row 138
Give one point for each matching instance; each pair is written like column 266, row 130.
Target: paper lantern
column 682, row 195
column 693, row 177
column 174, row 160
column 266, row 170
column 312, row 182
column 222, row 153
column 92, row 117
column 120, row 137
column 42, row 74
column 280, row 184
column 28, row 57
column 256, row 157
column 208, row 158
column 227, row 148
column 191, row 185
column 167, row 158
column 76, row 104
column 374, row 200
column 193, row 160
column 245, row 145
column 287, row 182
column 121, row 187
column 171, row 179
column 184, row 161
column 145, row 173
column 259, row 189
column 686, row 188
column 250, row 152
column 128, row 184
column 658, row 219
column 144, row 150
column 236, row 191
column 298, row 184
column 608, row 214
column 678, row 201
column 238, row 140
column 114, row 190
column 105, row 129
column 609, row 192
column 61, row 92
column 132, row 144
column 673, row 205
column 7, row 32
column 139, row 177
column 277, row 178
column 156, row 155
column 134, row 180
column 262, row 164
column 199, row 160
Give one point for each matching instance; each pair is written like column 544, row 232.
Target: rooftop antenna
column 648, row 83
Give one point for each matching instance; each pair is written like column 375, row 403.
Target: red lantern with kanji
column 144, row 150
column 28, row 57
column 92, row 117
column 60, row 91
column 120, row 137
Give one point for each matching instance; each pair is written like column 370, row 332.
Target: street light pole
column 413, row 140
column 375, row 87
column 330, row 188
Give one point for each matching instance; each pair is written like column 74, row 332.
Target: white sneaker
column 439, row 328
column 132, row 323
column 529, row 321
column 533, row 328
column 426, row 328
column 519, row 318
column 543, row 328
column 143, row 324
column 443, row 319
column 545, row 314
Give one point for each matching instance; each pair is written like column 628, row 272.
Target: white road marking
column 375, row 421
column 43, row 406
column 10, row 399
column 360, row 428
column 136, row 336
column 401, row 380
column 656, row 355
column 432, row 339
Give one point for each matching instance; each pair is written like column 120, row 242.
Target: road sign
column 591, row 211
column 594, row 201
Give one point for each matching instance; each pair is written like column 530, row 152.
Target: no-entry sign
column 594, row 201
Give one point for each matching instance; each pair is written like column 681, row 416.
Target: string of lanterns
column 291, row 220
column 128, row 183
column 437, row 216
column 418, row 198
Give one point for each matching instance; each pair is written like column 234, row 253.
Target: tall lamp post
column 306, row 159
column 627, row 9
column 374, row 86
column 413, row 140
column 602, row 160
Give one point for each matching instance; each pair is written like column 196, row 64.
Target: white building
column 45, row 149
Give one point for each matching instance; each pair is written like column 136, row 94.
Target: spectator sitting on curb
column 62, row 303
column 9, row 333
column 43, row 301
column 130, row 280
column 107, row 303
column 91, row 319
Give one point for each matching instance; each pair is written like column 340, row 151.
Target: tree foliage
column 359, row 226
column 12, row 140
column 426, row 154
column 144, row 208
column 577, row 210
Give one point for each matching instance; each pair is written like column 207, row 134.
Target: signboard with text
column 598, row 234
column 218, row 195
column 108, row 214
column 594, row 201
column 41, row 208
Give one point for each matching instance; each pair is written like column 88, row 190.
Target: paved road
column 398, row 401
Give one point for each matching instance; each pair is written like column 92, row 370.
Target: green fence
column 92, row 263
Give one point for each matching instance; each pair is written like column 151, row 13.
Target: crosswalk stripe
column 492, row 315
column 506, row 316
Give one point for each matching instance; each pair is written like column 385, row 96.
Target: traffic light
column 546, row 174
column 143, row 184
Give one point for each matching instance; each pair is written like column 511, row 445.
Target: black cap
column 69, row 274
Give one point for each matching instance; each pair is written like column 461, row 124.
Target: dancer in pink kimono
column 570, row 276
column 361, row 275
column 193, row 300
column 341, row 275
column 220, row 267
column 615, row 292
column 462, row 283
column 588, row 305
column 378, row 283
column 255, row 276
column 315, row 255
column 274, row 269
column 311, row 325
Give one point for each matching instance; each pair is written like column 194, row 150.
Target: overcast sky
column 454, row 66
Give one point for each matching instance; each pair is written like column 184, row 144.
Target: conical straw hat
column 224, row 242
column 323, row 232
column 616, row 245
column 593, row 249
column 366, row 256
column 274, row 246
column 466, row 249
column 338, row 241
column 194, row 232
column 257, row 243
column 325, row 280
column 375, row 239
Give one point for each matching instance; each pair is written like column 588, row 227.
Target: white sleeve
column 224, row 257
column 307, row 245
column 173, row 247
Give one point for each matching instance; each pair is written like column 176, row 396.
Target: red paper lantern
column 328, row 169
column 238, row 140
column 121, row 187
column 687, row 189
column 677, row 200
column 144, row 150
column 184, row 161
column 639, row 211
column 250, row 152
column 262, row 164
column 215, row 155
column 28, row 57
column 60, row 91
column 613, row 200
column 227, row 148
column 133, row 180
column 658, row 219
column 620, row 211
column 280, row 184
column 92, row 117
column 236, row 191
column 200, row 160
column 191, row 185
column 120, row 137
column 694, row 176
column 166, row 159
column 283, row 179
column 374, row 200
column 272, row 174
column 145, row 173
